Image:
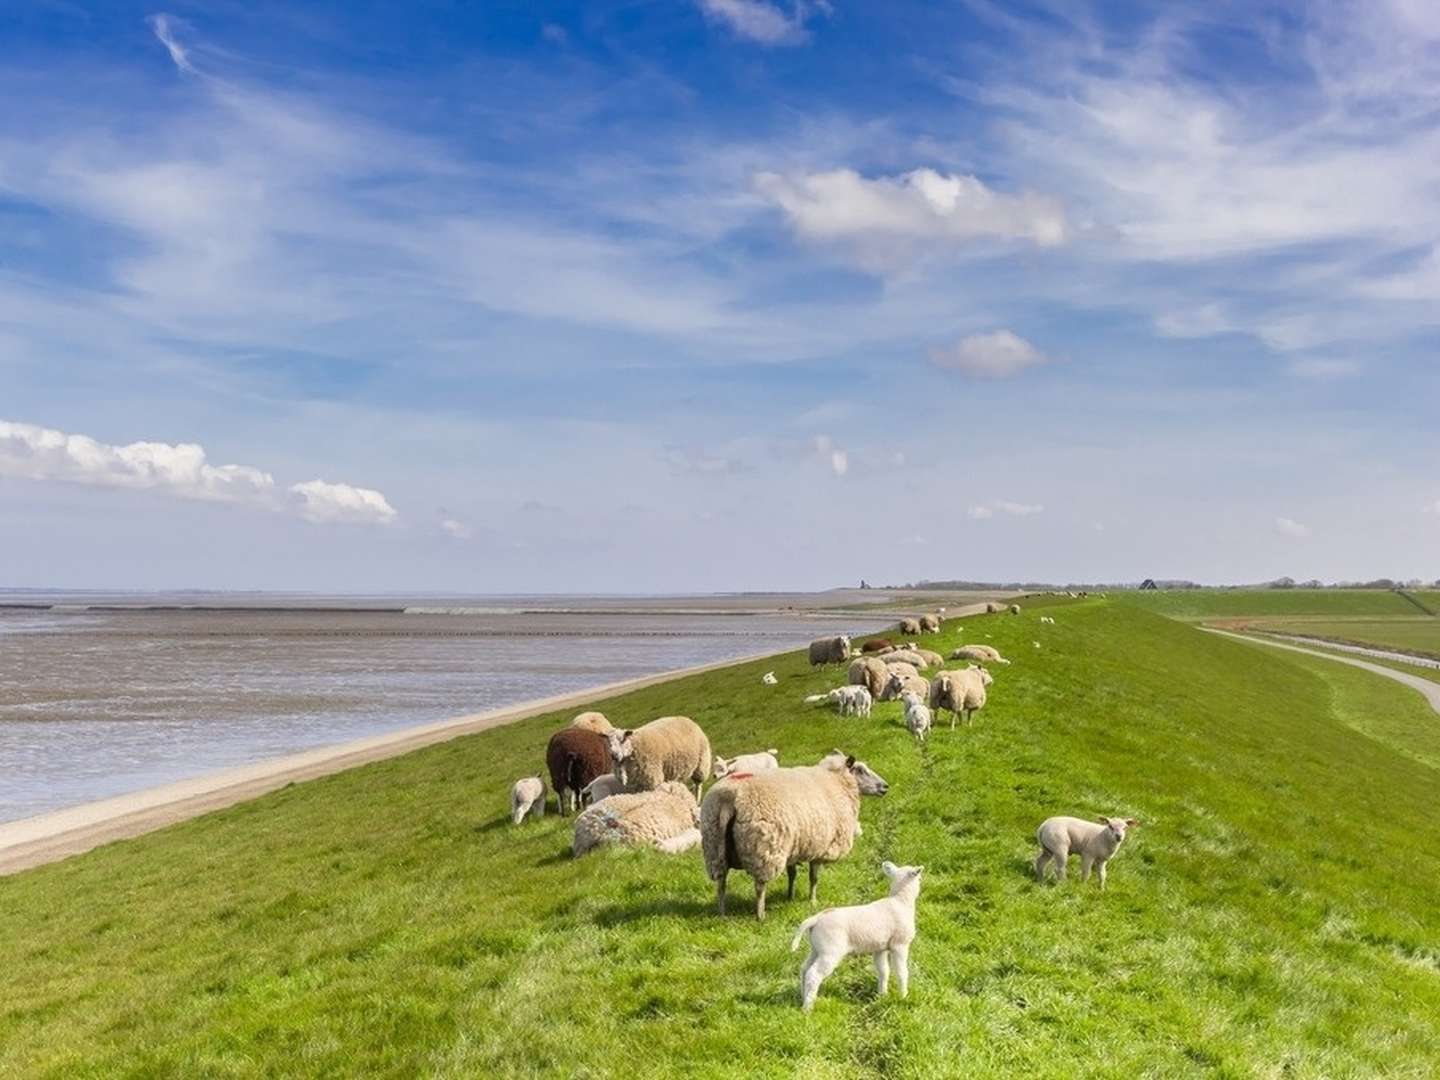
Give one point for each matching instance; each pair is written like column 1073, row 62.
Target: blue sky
column 716, row 294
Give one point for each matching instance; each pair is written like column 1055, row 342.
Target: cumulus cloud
column 890, row 219
column 1289, row 527
column 31, row 452
column 762, row 22
column 996, row 355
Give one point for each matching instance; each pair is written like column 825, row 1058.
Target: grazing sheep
column 770, row 821
column 1095, row 843
column 830, row 650
column 576, row 756
column 769, row 678
column 848, row 700
column 756, row 762
column 602, row 787
column 962, row 692
column 593, row 721
column 986, row 654
column 929, row 624
column 903, row 656
column 666, row 818
column 877, row 645
column 670, row 748
column 1047, row 619
column 1014, row 609
column 869, row 672
column 909, row 626
column 883, row 929
column 917, row 714
column 992, row 608
column 527, row 797
column 899, row 682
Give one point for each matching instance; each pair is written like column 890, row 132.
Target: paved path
column 1431, row 690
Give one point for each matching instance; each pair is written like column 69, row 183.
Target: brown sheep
column 576, row 757
column 877, row 645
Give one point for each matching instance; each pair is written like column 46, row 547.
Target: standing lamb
column 909, row 626
column 771, row 821
column 1096, row 844
column 929, row 624
column 670, row 748
column 527, row 797
column 869, row 672
column 830, row 650
column 576, row 756
column 883, row 929
column 848, row 700
column 667, row 818
column 917, row 715
column 756, row 762
column 593, row 721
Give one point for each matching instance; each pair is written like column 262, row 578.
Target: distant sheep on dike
column 909, row 626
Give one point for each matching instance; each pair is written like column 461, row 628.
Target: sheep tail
column 815, row 699
column 802, row 931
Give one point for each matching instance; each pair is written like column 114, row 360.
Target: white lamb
column 1095, row 843
column 769, row 678
column 602, row 787
column 883, row 929
column 848, row 700
column 917, row 715
column 527, row 796
column 746, row 763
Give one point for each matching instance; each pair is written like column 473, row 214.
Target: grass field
column 1420, row 635
column 1209, row 603
column 1433, row 674
column 1274, row 916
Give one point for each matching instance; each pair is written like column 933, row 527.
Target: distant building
column 864, row 584
column 1149, row 583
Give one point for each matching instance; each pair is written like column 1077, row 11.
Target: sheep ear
column 1104, row 820
column 850, row 762
column 888, row 866
column 1133, row 823
column 626, row 736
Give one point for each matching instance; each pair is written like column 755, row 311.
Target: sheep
column 929, row 624
column 883, row 929
column 875, row 645
column 962, row 692
column 1014, row 609
column 909, row 626
column 593, row 721
column 1095, row 843
column 984, row 653
column 576, row 756
column 667, row 818
column 928, row 658
column 898, row 683
column 1047, row 619
column 670, row 748
column 602, row 787
column 869, row 672
column 770, row 821
column 527, row 796
column 830, row 650
column 848, row 700
column 904, row 656
column 992, row 608
column 769, row 678
column 756, row 762
column 917, row 714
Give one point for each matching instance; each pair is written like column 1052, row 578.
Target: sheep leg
column 953, row 715
column 901, row 955
column 814, row 880
column 760, row 887
column 790, row 872
column 1062, row 863
column 539, row 809
column 1040, row 861
column 817, row 968
column 720, row 889
column 1100, row 873
column 1085, row 863
column 882, row 972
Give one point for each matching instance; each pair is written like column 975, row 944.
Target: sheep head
column 1117, row 827
column 622, row 749
column 901, row 877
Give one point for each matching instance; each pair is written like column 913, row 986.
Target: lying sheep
column 962, row 692
column 593, row 721
column 769, row 678
column 903, row 656
column 928, row 658
column 986, row 654
column 527, row 796
column 875, row 645
column 741, row 763
column 576, row 756
column 602, row 787
column 929, row 624
column 848, row 700
column 670, row 748
column 909, row 626
column 917, row 714
column 775, row 820
column 830, row 650
column 667, row 818
column 869, row 672
column 898, row 683
column 1095, row 843
column 883, row 929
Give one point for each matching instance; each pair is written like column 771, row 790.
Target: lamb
column 1014, row 609
column 883, row 929
column 602, row 787
column 769, row 678
column 830, row 650
column 1095, row 843
column 576, row 756
column 917, row 714
column 527, row 797
column 898, row 683
column 756, row 762
column 962, row 692
column 848, row 700
column 929, row 624
column 987, row 654
column 775, row 820
column 875, row 645
column 593, row 721
column 909, row 626
column 670, row 748
column 869, row 672
column 666, row 818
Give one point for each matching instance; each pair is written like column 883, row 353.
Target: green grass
column 1209, row 603
column 1432, row 674
column 1274, row 916
column 1420, row 635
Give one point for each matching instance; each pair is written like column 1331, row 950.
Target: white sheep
column 830, row 650
column 769, row 678
column 883, row 929
column 667, row 818
column 602, row 787
column 903, row 656
column 898, row 682
column 742, row 763
column 593, row 721
column 909, row 626
column 776, row 819
column 986, row 654
column 848, row 700
column 1014, row 609
column 962, row 692
column 929, row 624
column 670, row 748
column 527, row 796
column 917, row 715
column 1095, row 843
column 869, row 672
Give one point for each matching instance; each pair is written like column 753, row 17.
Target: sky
column 707, row 295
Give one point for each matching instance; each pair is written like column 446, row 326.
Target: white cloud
column 889, row 220
column 996, row 355
column 981, row 513
column 456, row 528
column 763, row 22
column 160, row 24
column 1289, row 527
column 1320, row 368
column 1204, row 321
column 326, row 503
column 1005, row 506
column 839, row 462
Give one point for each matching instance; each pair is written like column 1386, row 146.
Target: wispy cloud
column 995, row 355
column 1323, row 368
column 984, row 512
column 1289, row 527
column 763, row 22
column 164, row 31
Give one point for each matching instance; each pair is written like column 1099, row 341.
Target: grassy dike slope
column 1212, row 603
column 1275, row 915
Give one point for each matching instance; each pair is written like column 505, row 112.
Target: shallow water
column 101, row 703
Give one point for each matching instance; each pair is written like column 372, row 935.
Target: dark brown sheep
column 877, row 645
column 575, row 757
